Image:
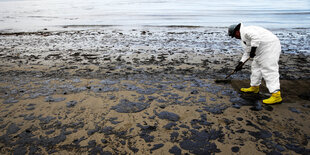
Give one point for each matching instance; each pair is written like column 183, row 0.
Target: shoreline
column 70, row 28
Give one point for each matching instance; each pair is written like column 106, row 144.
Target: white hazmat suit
column 265, row 63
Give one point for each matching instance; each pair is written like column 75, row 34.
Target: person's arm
column 249, row 50
column 255, row 41
column 246, row 53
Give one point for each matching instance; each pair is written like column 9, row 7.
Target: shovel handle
column 235, row 70
column 230, row 74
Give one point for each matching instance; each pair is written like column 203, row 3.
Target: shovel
column 229, row 80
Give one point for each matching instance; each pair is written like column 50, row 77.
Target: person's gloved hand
column 239, row 66
column 252, row 53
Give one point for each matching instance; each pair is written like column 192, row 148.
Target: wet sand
column 145, row 91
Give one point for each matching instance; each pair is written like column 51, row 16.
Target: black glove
column 239, row 66
column 252, row 54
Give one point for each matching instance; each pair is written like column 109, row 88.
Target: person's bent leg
column 256, row 78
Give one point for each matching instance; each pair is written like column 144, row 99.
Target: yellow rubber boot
column 252, row 89
column 274, row 99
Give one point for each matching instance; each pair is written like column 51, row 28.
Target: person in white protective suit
column 265, row 48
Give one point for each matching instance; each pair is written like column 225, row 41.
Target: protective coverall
column 265, row 63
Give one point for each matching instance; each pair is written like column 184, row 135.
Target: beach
column 147, row 90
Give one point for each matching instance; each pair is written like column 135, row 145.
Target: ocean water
column 32, row 15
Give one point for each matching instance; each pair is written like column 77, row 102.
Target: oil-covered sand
column 147, row 91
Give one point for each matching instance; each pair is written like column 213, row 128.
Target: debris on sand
column 126, row 106
column 168, row 116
